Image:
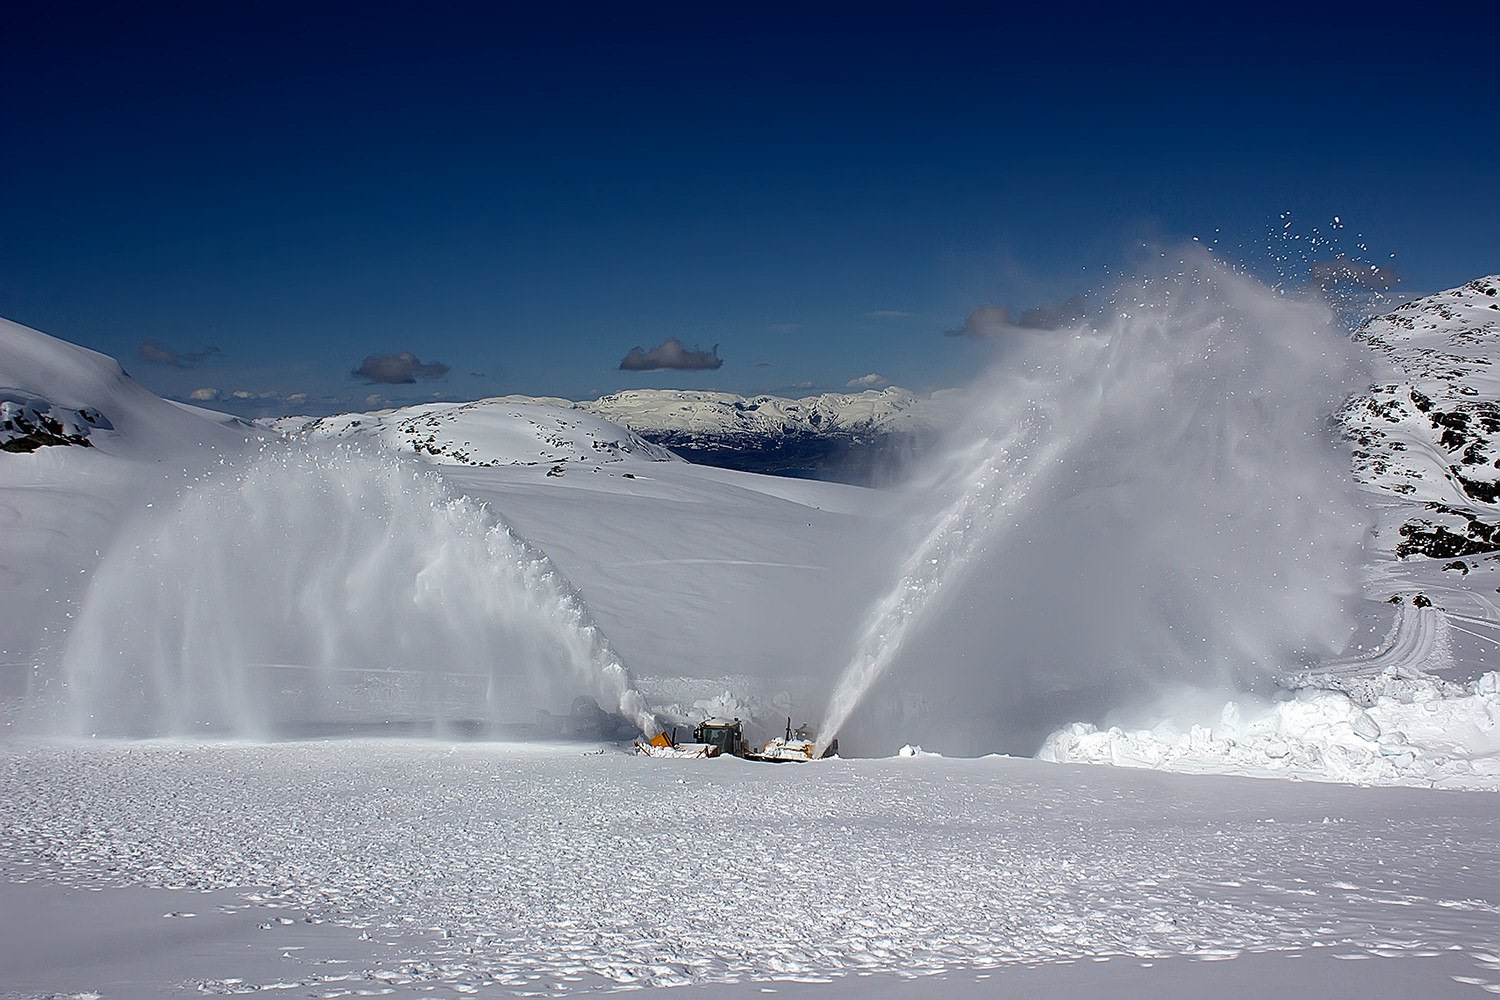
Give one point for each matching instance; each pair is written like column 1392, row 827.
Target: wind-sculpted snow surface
column 1155, row 500
column 315, row 584
column 549, row 871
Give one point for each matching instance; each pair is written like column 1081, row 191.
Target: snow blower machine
column 725, row 737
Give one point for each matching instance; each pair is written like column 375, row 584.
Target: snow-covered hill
column 722, row 419
column 488, row 433
column 79, row 439
column 1430, row 436
column 851, row 437
column 855, row 437
column 55, row 393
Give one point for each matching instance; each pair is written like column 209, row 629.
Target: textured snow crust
column 559, row 869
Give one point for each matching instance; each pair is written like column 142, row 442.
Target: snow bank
column 1439, row 734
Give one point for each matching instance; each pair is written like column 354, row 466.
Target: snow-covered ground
column 332, row 867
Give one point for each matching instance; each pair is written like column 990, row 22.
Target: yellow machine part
column 660, row 740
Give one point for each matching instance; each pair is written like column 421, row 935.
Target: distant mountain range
column 857, row 437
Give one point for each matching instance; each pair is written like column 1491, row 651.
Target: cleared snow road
column 561, row 869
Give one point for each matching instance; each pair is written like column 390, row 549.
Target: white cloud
column 870, row 381
column 205, row 395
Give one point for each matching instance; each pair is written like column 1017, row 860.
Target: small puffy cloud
column 376, row 399
column 991, row 322
column 870, row 381
column 157, row 353
column 888, row 314
column 671, row 353
column 209, row 394
column 398, row 369
column 764, row 364
column 1343, row 271
column 802, row 385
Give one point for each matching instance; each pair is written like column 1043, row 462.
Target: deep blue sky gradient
column 525, row 192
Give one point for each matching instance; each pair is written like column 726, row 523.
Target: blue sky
column 512, row 199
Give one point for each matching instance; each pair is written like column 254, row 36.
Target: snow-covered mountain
column 487, row 433
column 835, row 434
column 53, row 393
column 1429, row 436
column 849, row 437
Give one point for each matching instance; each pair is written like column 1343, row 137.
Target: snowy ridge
column 45, row 381
column 843, row 434
column 506, row 430
column 487, row 433
column 1431, row 435
column 724, row 419
column 1430, row 438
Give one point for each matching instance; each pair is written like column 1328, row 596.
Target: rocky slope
column 1428, row 434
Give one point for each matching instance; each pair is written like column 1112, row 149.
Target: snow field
column 553, row 868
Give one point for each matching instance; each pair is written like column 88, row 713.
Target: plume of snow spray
column 323, row 583
column 1156, row 500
